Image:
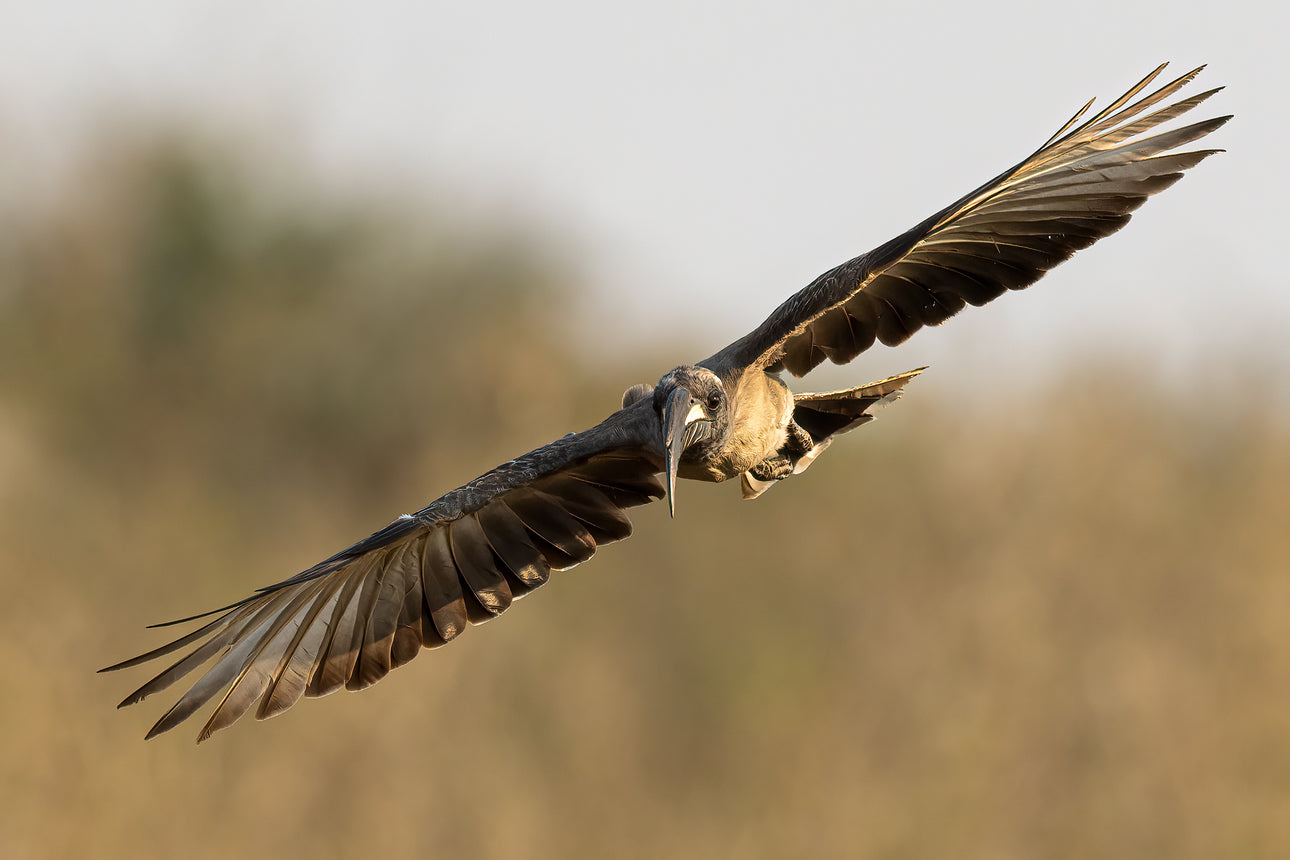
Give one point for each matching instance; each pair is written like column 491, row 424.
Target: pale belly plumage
column 758, row 430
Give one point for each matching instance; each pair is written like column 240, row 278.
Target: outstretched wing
column 417, row 582
column 1078, row 187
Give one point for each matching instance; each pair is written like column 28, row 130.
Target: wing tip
column 127, row 664
column 159, row 727
column 206, row 614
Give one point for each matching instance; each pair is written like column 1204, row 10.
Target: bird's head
column 694, row 416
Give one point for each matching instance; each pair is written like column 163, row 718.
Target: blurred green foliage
column 1057, row 632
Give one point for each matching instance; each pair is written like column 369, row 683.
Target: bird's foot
column 799, row 441
column 774, row 468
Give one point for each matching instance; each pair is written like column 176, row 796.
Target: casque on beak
column 679, row 413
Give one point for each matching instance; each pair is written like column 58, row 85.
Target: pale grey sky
column 695, row 151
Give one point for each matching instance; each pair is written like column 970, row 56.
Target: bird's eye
column 714, row 401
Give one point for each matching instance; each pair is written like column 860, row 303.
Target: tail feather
column 825, row 415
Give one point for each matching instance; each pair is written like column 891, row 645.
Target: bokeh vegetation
column 1057, row 629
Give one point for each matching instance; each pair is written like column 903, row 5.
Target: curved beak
column 679, row 413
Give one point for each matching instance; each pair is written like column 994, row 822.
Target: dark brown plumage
column 418, row 582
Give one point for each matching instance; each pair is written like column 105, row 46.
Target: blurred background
column 271, row 276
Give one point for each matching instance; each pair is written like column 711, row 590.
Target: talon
column 775, row 468
column 799, row 441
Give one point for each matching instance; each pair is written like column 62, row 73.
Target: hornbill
column 465, row 557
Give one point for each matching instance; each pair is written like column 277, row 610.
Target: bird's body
column 418, row 582
column 758, row 428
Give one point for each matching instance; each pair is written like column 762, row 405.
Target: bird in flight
column 464, row 558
